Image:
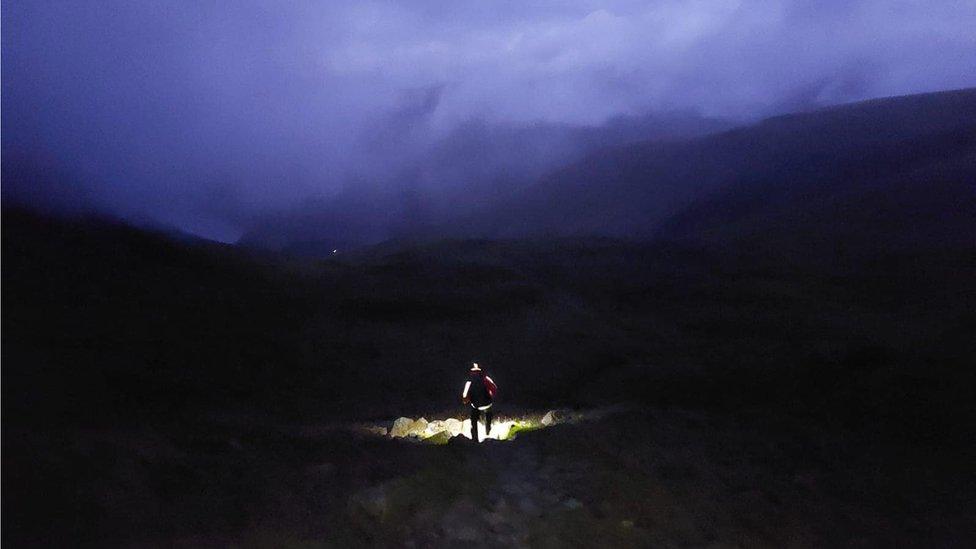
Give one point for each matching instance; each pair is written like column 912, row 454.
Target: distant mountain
column 901, row 168
column 476, row 166
column 905, row 182
column 897, row 170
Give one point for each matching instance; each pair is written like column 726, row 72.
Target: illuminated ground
column 504, row 427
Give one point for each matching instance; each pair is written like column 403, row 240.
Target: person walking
column 479, row 392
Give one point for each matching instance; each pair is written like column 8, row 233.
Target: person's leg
column 488, row 422
column 474, row 423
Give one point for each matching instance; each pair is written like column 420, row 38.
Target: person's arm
column 464, row 393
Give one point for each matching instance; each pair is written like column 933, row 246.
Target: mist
column 212, row 117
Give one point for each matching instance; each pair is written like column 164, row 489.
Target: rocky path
column 517, row 494
column 652, row 479
column 638, row 478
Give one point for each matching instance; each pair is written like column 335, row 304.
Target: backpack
column 489, row 386
column 481, row 393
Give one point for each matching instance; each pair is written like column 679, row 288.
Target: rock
column 459, row 441
column 504, row 430
column 453, row 426
column 434, row 427
column 378, row 430
column 418, row 428
column 401, row 427
column 550, row 418
column 442, row 437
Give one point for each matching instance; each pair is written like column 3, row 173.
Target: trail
column 505, row 427
column 518, row 492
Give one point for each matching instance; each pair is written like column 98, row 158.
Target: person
column 479, row 392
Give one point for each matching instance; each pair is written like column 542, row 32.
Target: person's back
column 479, row 393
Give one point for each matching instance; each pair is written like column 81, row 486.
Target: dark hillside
column 151, row 389
column 926, row 202
column 636, row 191
column 106, row 323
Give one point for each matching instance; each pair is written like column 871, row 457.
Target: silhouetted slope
column 156, row 391
column 861, row 164
column 864, row 161
column 106, row 323
column 929, row 203
column 476, row 165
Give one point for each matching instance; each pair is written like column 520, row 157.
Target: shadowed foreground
column 158, row 393
column 667, row 478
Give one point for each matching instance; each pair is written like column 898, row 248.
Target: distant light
column 334, row 251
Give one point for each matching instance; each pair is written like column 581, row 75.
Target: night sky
column 202, row 115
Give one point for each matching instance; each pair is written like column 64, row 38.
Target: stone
column 435, row 428
column 401, row 427
column 453, row 426
column 442, row 437
column 418, row 427
column 549, row 418
column 503, row 430
column 377, row 430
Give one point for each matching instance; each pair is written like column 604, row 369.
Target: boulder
column 454, row 426
column 418, row 428
column 372, row 430
column 502, row 429
column 401, row 427
column 442, row 437
column 434, row 428
column 550, row 418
